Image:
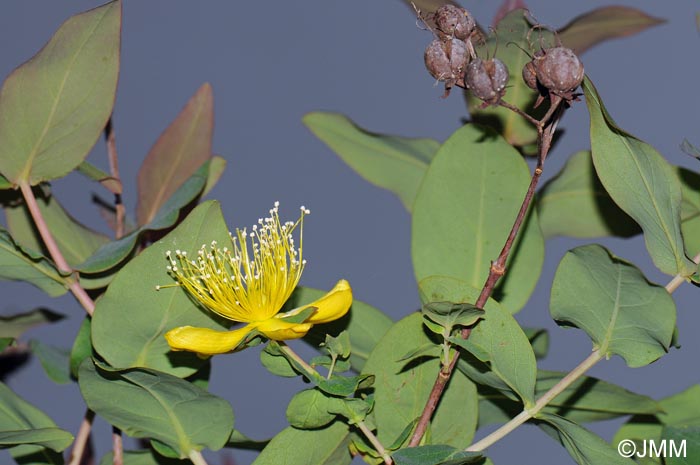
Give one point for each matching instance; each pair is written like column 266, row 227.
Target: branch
column 81, row 439
column 545, row 133
column 53, row 249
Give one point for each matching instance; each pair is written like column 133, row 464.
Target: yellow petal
column 335, row 304
column 206, row 341
column 279, row 330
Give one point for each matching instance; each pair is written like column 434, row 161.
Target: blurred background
column 269, row 64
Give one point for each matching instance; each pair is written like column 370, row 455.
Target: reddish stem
column 53, row 249
column 498, row 268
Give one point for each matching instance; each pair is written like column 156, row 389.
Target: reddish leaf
column 596, row 26
column 182, row 148
column 506, row 7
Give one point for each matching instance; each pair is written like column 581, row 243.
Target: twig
column 545, row 130
column 310, row 372
column 117, row 447
column 525, row 415
column 679, row 279
column 120, row 211
column 197, row 458
column 375, row 442
column 558, row 388
column 81, row 439
column 53, row 249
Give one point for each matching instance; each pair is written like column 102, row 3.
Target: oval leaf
column 575, row 204
column 326, row 446
column 611, row 300
column 179, row 152
column 390, row 162
column 497, row 340
column 642, row 183
column 131, row 318
column 147, row 403
column 464, row 211
column 20, row 264
column 401, row 389
column 54, row 107
column 584, row 447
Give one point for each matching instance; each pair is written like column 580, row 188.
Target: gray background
column 271, row 62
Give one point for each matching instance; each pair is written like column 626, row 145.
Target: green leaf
column 539, row 340
column 276, row 363
column 82, row 347
column 497, row 340
column 354, row 410
column 586, row 399
column 512, row 29
column 308, row 409
column 142, row 457
column 239, row 440
column 217, row 165
column 437, row 454
column 16, row 414
column 613, row 302
column 93, row 173
column 464, row 212
column 52, row 438
column 75, row 241
column 15, row 325
column 451, row 314
column 679, row 410
column 584, row 447
column 401, row 390
column 365, row 325
column 589, row 29
column 690, row 209
column 179, row 152
column 54, row 360
column 20, row 264
column 5, row 342
column 338, row 346
column 54, row 107
column 390, row 162
column 642, row 183
column 132, row 317
column 148, row 403
column 327, row 446
column 682, row 445
column 114, row 253
column 4, row 183
column 575, row 204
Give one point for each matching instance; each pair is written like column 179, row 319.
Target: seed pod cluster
column 447, row 57
column 556, row 70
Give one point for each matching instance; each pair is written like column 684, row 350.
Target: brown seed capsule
column 453, row 21
column 487, row 79
column 530, row 75
column 559, row 70
column 446, row 61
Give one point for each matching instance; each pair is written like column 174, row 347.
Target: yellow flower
column 250, row 284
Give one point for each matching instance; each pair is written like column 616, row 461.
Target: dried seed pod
column 453, row 21
column 530, row 75
column 487, row 79
column 446, row 61
column 559, row 70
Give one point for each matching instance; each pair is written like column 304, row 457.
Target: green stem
column 308, row 369
column 525, row 415
column 375, row 442
column 197, row 458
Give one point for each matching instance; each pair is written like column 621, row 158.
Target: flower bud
column 453, row 21
column 446, row 60
column 559, row 70
column 487, row 79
